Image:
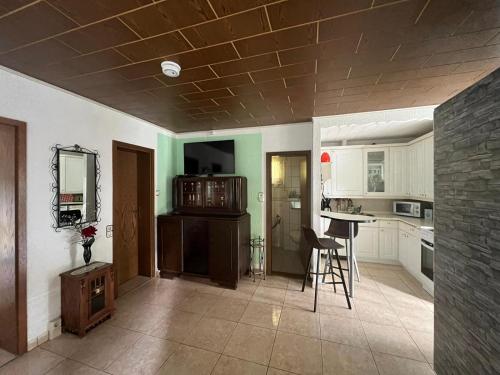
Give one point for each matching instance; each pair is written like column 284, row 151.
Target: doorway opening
column 13, row 310
column 133, row 215
column 288, row 208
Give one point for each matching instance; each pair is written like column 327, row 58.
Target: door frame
column 147, row 219
column 21, row 345
column 269, row 194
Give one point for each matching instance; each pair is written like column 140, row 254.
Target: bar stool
column 313, row 242
column 340, row 229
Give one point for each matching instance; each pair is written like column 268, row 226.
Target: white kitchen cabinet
column 347, row 172
column 409, row 249
column 367, row 242
column 376, row 171
column 428, row 150
column 398, row 171
column 388, row 243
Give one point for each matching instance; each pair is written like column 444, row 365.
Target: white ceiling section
column 396, row 123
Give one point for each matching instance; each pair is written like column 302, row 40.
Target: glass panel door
column 376, row 171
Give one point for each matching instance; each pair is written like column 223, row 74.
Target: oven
column 427, row 253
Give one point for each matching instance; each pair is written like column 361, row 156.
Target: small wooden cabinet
column 86, row 297
column 213, row 246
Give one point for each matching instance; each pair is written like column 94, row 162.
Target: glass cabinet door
column 376, row 171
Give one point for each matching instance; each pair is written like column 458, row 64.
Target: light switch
column 109, row 231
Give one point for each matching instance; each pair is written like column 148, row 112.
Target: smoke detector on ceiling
column 171, row 69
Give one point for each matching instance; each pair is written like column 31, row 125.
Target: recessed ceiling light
column 171, row 69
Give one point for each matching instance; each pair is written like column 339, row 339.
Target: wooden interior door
column 126, row 220
column 13, row 335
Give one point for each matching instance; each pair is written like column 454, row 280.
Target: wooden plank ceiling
column 253, row 62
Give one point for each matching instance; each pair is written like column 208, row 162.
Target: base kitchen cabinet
column 388, row 243
column 409, row 249
column 367, row 242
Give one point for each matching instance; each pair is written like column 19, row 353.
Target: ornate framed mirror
column 76, row 172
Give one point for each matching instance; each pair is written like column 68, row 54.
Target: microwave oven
column 408, row 208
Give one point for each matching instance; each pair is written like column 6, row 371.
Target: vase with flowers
column 87, row 234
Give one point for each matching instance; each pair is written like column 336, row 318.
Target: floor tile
column 391, row 365
column 189, row 361
column 272, row 281
column 418, row 320
column 251, row 343
column 103, row 345
column 176, row 325
column 272, row 296
column 300, row 300
column 275, row 371
column 69, row 367
column 343, row 330
column 425, row 342
column 245, row 291
column 5, row 357
column 297, row 353
column 197, row 303
column 228, row 309
column 64, row 345
column 262, row 315
column 391, row 340
column 145, row 357
column 210, row 334
column 234, row 366
column 35, row 362
column 299, row 322
column 141, row 320
column 376, row 313
column 341, row 359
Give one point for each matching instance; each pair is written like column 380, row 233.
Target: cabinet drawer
column 369, row 225
column 388, row 224
column 409, row 229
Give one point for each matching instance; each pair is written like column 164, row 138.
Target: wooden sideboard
column 86, row 297
column 213, row 246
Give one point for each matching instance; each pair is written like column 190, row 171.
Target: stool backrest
column 311, row 238
column 340, row 229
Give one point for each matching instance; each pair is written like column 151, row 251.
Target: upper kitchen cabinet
column 347, row 172
column 398, row 171
column 376, row 171
column 428, row 168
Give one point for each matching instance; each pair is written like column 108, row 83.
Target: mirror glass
column 77, row 187
column 376, row 172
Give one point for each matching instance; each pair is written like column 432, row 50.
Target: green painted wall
column 166, row 159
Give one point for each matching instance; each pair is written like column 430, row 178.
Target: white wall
column 56, row 116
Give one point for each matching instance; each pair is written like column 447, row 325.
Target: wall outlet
column 44, row 337
column 54, row 329
column 109, row 231
column 260, row 196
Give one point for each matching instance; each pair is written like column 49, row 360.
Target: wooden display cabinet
column 86, row 297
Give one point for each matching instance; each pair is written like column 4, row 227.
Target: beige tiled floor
column 184, row 327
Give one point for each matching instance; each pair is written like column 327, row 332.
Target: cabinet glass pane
column 376, row 171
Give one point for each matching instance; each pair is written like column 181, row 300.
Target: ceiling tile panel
column 86, row 11
column 98, row 36
column 163, row 45
column 259, row 87
column 168, row 16
column 332, row 85
column 25, row 26
column 296, row 12
column 467, row 55
column 268, row 60
column 142, row 69
column 212, row 94
column 239, row 26
column 278, row 40
column 227, row 7
column 10, row 5
column 390, row 18
column 216, row 83
column 284, row 72
column 206, row 56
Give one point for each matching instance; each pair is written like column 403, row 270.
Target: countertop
column 348, row 217
column 413, row 221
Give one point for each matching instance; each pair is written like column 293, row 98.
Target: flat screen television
column 215, row 157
